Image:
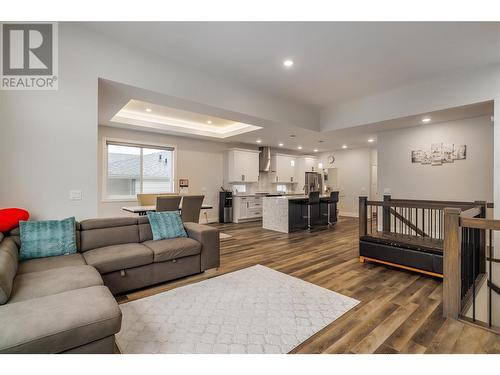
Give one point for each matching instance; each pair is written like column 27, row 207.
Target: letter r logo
column 27, row 49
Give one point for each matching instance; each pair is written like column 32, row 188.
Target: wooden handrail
column 479, row 223
column 418, row 205
column 470, row 213
column 455, row 221
column 449, row 203
column 363, row 222
column 452, row 269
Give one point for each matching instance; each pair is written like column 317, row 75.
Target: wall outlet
column 75, row 195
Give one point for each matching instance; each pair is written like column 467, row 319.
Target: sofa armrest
column 210, row 243
column 59, row 322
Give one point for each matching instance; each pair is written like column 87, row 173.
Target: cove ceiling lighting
column 174, row 120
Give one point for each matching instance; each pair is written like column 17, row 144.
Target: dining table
column 141, row 210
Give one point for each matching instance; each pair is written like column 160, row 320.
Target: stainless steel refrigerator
column 313, row 182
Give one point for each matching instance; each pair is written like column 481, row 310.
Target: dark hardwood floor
column 400, row 311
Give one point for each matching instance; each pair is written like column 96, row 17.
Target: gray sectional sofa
column 65, row 304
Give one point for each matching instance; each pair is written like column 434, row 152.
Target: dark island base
column 297, row 214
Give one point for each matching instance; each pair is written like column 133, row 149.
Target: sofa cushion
column 43, row 264
column 59, row 322
column 96, row 233
column 15, row 235
column 119, row 257
column 173, row 248
column 58, row 280
column 145, row 233
column 8, row 268
column 41, row 239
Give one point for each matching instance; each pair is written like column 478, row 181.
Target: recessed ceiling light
column 259, row 141
column 371, row 140
column 426, row 119
column 288, row 63
column 281, row 144
column 149, row 110
column 315, row 150
column 209, row 122
column 344, row 146
column 300, row 147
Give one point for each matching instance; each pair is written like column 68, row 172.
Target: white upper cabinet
column 283, row 168
column 243, row 165
column 310, row 164
column 304, row 164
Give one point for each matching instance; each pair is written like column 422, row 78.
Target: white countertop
column 264, row 195
column 292, row 197
column 247, row 195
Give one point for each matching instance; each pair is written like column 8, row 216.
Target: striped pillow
column 166, row 224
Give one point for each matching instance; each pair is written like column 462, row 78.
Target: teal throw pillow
column 166, row 224
column 41, row 239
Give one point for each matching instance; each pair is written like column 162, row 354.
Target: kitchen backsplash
column 264, row 185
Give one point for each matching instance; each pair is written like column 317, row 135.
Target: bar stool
column 312, row 201
column 334, row 198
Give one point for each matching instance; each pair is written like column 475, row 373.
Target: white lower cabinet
column 248, row 208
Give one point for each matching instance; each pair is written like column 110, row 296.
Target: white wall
column 200, row 161
column 48, row 139
column 464, row 180
column 354, row 177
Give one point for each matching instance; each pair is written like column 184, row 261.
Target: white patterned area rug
column 254, row 310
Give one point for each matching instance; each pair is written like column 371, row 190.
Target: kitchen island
column 288, row 213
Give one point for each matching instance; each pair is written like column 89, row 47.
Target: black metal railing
column 470, row 264
column 469, row 243
column 419, row 218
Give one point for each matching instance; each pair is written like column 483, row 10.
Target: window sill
column 117, row 200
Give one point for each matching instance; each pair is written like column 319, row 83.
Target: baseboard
column 208, row 220
column 211, row 220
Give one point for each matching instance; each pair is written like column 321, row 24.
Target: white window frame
column 239, row 188
column 279, row 188
column 131, row 143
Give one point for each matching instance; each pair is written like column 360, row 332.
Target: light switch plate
column 75, row 195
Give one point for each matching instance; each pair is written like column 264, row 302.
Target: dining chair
column 168, row 203
column 150, row 199
column 191, row 207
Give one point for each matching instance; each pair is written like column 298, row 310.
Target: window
column 133, row 169
column 239, row 188
column 281, row 188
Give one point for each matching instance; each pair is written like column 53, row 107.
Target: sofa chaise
column 65, row 304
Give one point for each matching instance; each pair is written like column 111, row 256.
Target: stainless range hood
column 264, row 159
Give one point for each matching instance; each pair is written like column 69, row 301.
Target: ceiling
column 333, row 61
column 161, row 117
column 114, row 97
